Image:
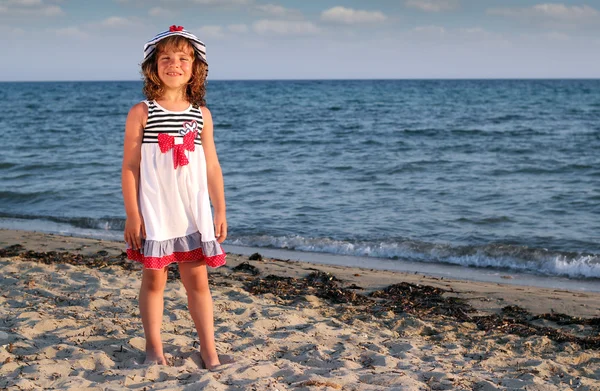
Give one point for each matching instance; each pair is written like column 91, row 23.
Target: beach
column 69, row 320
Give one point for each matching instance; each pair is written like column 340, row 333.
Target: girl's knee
column 153, row 285
column 154, row 280
column 197, row 287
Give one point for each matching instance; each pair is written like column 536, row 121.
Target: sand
column 77, row 327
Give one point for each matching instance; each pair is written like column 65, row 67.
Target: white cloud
column 278, row 11
column 115, row 24
column 16, row 32
column 160, row 11
column 556, row 37
column 429, row 31
column 25, row 3
column 550, row 11
column 116, row 21
column 281, row 27
column 71, row 32
column 30, row 8
column 352, row 16
column 445, row 37
column 209, row 31
column 51, row 10
column 433, row 5
column 222, row 2
column 238, row 28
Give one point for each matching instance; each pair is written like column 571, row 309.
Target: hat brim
column 199, row 47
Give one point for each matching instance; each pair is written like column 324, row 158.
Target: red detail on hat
column 176, row 28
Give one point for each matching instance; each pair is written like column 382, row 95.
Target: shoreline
column 433, row 269
column 68, row 320
column 539, row 299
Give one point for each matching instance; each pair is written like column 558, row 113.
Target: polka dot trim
column 188, row 256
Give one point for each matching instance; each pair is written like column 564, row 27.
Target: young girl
column 170, row 168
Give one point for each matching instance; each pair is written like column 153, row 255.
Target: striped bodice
column 173, row 123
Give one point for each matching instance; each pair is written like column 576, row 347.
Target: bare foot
column 152, row 358
column 210, row 360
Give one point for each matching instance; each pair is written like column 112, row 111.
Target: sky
column 45, row 40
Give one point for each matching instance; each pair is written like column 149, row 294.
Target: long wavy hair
column 196, row 88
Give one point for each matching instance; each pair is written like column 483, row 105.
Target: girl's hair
column 196, row 88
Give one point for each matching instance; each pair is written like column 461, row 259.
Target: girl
column 170, row 168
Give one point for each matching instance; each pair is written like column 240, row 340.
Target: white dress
column 173, row 192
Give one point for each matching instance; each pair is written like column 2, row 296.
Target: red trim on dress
column 188, row 256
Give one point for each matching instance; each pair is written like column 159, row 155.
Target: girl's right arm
column 130, row 174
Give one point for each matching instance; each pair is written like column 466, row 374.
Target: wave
column 501, row 256
column 498, row 256
column 8, row 197
column 103, row 223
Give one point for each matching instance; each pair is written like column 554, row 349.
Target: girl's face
column 175, row 66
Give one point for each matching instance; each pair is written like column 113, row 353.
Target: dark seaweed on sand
column 421, row 301
column 320, row 284
column 246, row 267
column 99, row 260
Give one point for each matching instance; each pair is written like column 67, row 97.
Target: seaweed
column 421, row 301
column 246, row 267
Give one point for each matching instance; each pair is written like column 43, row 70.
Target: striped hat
column 199, row 47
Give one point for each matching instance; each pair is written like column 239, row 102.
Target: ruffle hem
column 157, row 254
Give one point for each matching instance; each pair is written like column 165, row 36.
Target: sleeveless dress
column 173, row 192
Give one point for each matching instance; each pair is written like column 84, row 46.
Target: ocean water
column 480, row 173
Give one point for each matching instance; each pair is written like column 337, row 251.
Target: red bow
column 166, row 142
column 176, row 28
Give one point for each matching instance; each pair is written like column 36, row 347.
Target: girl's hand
column 220, row 227
column 134, row 232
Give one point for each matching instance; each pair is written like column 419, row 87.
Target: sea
column 501, row 176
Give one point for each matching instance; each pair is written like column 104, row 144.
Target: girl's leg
column 151, row 309
column 195, row 280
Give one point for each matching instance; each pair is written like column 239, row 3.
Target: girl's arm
column 216, row 189
column 130, row 174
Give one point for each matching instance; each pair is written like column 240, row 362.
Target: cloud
column 30, row 8
column 210, row 31
column 432, row 5
column 222, row 2
column 25, row 3
column 115, row 24
column 456, row 37
column 206, row 3
column 217, row 31
column 352, row 16
column 160, row 11
column 278, row 11
column 70, row 32
column 13, row 32
column 550, row 12
column 430, row 31
column 556, row 36
column 238, row 28
column 281, row 27
column 115, row 21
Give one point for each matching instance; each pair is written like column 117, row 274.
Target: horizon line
column 315, row 79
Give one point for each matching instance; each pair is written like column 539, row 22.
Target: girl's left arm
column 216, row 188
